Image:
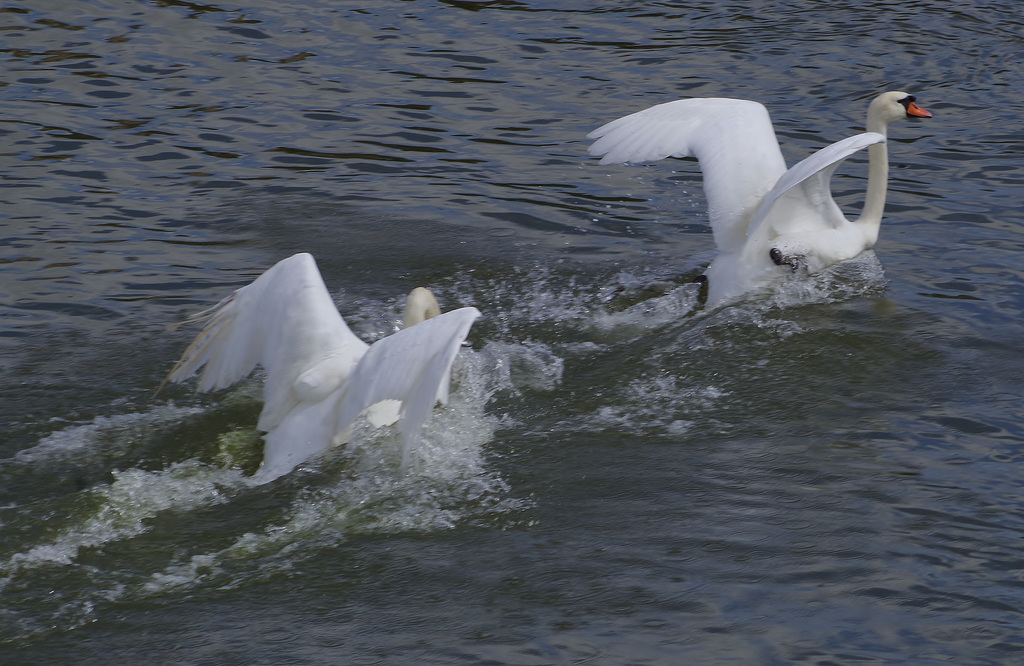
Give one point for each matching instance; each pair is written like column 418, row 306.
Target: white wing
column 732, row 139
column 285, row 321
column 413, row 365
column 801, row 200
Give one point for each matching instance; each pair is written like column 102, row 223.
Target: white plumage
column 766, row 219
column 319, row 376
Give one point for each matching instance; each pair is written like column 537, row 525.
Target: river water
column 831, row 474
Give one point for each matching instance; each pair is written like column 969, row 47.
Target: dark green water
column 828, row 476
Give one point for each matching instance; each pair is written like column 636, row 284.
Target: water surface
column 829, row 474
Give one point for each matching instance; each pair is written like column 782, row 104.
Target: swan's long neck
column 878, row 178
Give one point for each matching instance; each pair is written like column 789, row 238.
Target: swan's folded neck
column 420, row 305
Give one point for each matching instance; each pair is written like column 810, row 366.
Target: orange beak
column 914, row 110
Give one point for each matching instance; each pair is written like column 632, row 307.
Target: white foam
column 849, row 279
column 122, row 508
column 513, row 367
column 651, row 313
column 653, row 404
column 121, row 430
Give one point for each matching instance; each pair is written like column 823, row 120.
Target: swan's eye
column 907, row 101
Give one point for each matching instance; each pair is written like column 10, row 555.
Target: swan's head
column 891, row 106
column 420, row 305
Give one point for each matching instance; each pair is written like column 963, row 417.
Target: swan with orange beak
column 767, row 220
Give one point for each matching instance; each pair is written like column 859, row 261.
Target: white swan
column 766, row 220
column 319, row 376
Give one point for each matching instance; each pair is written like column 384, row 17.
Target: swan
column 766, row 219
column 319, row 376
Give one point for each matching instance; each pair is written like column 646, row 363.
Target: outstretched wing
column 285, row 321
column 803, row 195
column 732, row 139
column 413, row 365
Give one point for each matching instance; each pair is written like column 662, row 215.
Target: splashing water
column 122, row 538
column 85, row 544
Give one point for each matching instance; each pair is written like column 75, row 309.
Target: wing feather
column 284, row 321
column 413, row 366
column 733, row 140
column 803, row 195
